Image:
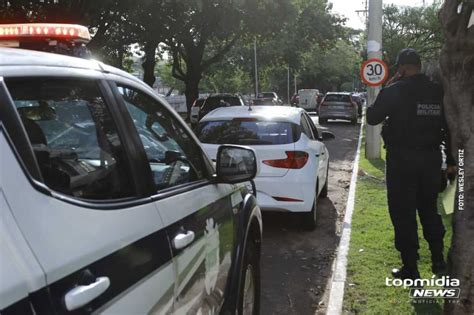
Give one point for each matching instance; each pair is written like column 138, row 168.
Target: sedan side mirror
column 326, row 135
column 235, row 164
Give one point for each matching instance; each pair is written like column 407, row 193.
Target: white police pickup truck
column 109, row 204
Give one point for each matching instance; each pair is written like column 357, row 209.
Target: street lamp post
column 256, row 68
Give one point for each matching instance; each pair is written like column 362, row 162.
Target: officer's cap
column 408, row 56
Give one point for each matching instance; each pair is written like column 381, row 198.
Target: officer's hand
column 451, row 172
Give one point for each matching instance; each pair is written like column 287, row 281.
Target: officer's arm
column 449, row 155
column 377, row 112
column 450, row 161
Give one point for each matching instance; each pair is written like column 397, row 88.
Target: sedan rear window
column 266, row 95
column 337, row 98
column 248, row 132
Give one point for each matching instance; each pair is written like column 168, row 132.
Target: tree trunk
column 191, row 91
column 149, row 64
column 457, row 67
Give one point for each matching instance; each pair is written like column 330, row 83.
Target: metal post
column 374, row 49
column 256, row 68
column 288, row 88
column 296, row 90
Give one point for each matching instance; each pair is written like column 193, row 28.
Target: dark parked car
column 219, row 100
column 270, row 96
column 264, row 102
column 338, row 106
column 295, row 99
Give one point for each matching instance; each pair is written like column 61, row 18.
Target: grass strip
column 372, row 254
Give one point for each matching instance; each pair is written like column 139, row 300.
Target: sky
column 348, row 9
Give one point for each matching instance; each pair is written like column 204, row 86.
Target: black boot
column 438, row 265
column 406, row 272
column 409, row 270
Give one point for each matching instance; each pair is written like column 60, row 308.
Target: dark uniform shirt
column 413, row 116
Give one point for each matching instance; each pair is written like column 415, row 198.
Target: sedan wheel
column 324, row 191
column 310, row 218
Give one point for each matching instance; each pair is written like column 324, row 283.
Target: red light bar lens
column 294, row 160
column 45, row 30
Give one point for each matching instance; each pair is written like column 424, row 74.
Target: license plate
column 9, row 43
column 338, row 107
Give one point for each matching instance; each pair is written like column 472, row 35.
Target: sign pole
column 374, row 49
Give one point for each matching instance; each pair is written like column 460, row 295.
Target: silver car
column 338, row 106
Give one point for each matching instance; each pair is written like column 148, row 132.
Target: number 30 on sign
column 374, row 72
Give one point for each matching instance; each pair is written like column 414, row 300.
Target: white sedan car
column 292, row 158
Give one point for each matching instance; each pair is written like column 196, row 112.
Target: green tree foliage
column 306, row 26
column 204, row 32
column 416, row 27
column 108, row 21
column 210, row 39
column 329, row 69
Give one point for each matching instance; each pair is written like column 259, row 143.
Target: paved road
column 296, row 264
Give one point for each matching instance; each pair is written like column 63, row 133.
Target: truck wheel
column 249, row 303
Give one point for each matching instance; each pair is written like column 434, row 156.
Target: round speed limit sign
column 374, row 72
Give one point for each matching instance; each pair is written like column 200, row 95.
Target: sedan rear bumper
column 333, row 114
column 292, row 186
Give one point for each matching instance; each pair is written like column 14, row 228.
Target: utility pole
column 256, row 68
column 374, row 50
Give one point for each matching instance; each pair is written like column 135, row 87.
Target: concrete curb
column 336, row 293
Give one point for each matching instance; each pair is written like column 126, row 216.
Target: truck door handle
column 183, row 239
column 83, row 294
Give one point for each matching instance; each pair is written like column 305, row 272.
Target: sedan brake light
column 294, row 160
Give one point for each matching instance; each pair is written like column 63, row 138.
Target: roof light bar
column 71, row 32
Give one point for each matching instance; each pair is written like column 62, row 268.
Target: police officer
column 413, row 130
